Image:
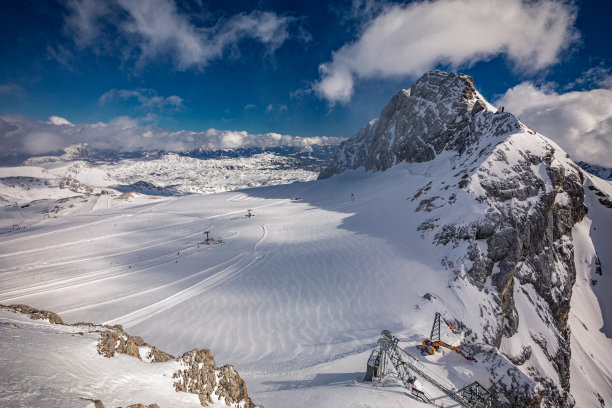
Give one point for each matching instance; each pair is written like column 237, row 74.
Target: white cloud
column 361, row 9
column 59, row 121
column 269, row 108
column 410, row 39
column 19, row 135
column 85, row 19
column 149, row 30
column 249, row 107
column 61, row 54
column 147, row 99
column 579, row 121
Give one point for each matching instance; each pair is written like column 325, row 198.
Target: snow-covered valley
column 299, row 279
column 163, row 174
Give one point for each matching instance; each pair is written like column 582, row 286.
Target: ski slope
column 294, row 297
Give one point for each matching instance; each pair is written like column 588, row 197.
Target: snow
column 45, row 365
column 207, row 176
column 590, row 316
column 602, row 242
column 170, row 174
column 297, row 294
column 591, row 363
column 294, row 297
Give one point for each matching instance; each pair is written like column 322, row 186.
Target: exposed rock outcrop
column 198, row 373
column 36, row 314
column 117, row 341
column 99, row 404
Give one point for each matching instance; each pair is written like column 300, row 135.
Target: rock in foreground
column 106, row 366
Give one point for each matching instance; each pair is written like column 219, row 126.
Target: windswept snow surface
column 295, row 297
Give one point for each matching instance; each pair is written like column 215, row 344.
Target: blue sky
column 258, row 70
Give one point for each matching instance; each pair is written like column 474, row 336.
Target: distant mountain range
column 80, row 170
column 599, row 171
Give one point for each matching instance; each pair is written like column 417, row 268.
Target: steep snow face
column 517, row 195
column 590, row 317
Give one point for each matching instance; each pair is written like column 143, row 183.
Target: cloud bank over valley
column 22, row 136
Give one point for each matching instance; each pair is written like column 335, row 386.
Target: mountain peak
column 440, row 112
column 435, row 86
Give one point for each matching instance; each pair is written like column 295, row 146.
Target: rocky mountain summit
column 514, row 245
column 440, row 112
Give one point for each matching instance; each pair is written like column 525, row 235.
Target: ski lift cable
column 423, row 367
column 452, row 329
column 429, row 371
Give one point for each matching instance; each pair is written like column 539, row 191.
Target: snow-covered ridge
column 191, row 380
column 440, row 112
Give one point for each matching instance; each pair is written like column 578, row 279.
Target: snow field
column 303, row 282
column 295, row 297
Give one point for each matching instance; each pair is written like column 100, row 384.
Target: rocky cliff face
column 199, row 375
column 515, row 247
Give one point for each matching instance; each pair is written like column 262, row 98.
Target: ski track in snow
column 139, row 316
column 36, row 236
column 242, row 262
column 96, row 238
column 47, row 265
column 106, row 219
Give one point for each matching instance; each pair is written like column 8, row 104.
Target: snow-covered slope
column 590, row 317
column 289, row 298
column 80, row 365
column 489, row 231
